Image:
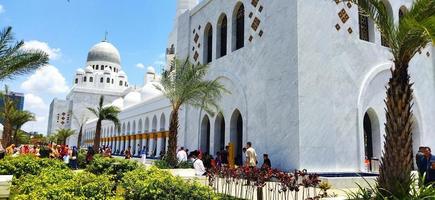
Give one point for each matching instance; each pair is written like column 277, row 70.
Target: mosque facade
column 307, row 81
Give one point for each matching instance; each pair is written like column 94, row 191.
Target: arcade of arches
column 372, row 138
column 218, row 135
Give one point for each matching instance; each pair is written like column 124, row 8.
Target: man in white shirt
column 182, row 155
column 198, row 165
column 251, row 155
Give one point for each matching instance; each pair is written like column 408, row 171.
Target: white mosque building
column 307, row 81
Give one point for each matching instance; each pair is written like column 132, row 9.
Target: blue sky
column 67, row 30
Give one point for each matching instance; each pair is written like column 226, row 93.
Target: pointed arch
column 147, row 125
column 208, row 44
column 162, row 122
column 154, row 124
column 236, row 135
column 238, row 33
column 221, row 38
column 219, row 132
column 140, row 126
column 205, row 134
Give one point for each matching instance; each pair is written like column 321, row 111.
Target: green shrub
column 53, row 184
column 81, row 159
column 115, row 167
column 163, row 164
column 22, row 165
column 154, row 183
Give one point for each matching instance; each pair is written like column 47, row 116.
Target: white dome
column 104, row 51
column 151, row 70
column 80, row 71
column 89, row 69
column 132, row 98
column 119, row 102
column 122, row 73
column 149, row 91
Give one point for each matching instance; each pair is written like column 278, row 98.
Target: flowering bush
column 246, row 179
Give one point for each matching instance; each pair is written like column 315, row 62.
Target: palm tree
column 6, row 113
column 18, row 119
column 81, row 122
column 21, row 137
column 184, row 83
column 12, row 118
column 104, row 113
column 14, row 60
column 414, row 31
column 63, row 134
column 52, row 138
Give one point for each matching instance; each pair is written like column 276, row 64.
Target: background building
column 307, row 81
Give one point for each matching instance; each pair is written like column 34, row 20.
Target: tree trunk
column 97, row 137
column 172, row 140
column 79, row 139
column 7, row 132
column 396, row 162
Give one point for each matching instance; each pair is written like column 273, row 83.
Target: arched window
column 101, row 79
column 108, row 80
column 84, row 79
column 91, row 79
column 402, row 11
column 112, row 81
column 387, row 5
column 221, row 49
column 96, row 67
column 120, row 83
column 239, row 27
column 208, row 43
column 363, row 26
column 76, row 81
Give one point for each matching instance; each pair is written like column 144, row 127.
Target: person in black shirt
column 266, row 162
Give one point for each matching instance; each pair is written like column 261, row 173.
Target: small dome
column 119, row 102
column 151, row 70
column 80, row 71
column 122, row 73
column 104, row 51
column 149, row 91
column 132, row 98
column 89, row 69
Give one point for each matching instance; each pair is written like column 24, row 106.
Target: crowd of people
column 426, row 164
column 202, row 162
column 62, row 152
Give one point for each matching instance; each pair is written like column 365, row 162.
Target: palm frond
column 14, row 60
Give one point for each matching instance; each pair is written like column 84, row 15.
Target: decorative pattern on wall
column 63, row 118
column 255, row 17
column 343, row 16
column 196, row 43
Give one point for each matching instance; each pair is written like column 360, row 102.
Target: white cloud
column 53, row 53
column 140, row 65
column 46, row 79
column 39, row 108
column 34, row 102
column 2, row 9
